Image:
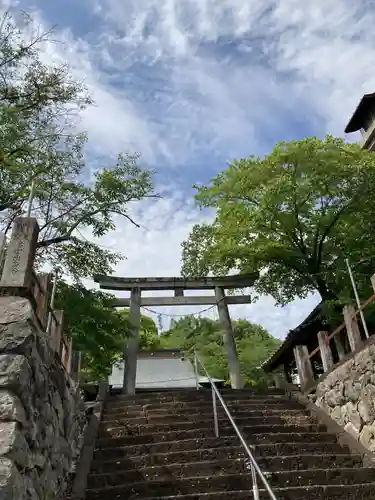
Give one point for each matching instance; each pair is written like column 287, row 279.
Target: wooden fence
column 19, row 279
column 347, row 338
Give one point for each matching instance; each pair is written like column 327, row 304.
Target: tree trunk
column 325, row 293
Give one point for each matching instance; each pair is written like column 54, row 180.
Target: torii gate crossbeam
column 136, row 301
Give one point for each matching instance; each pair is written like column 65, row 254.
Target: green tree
column 149, row 338
column 40, row 106
column 295, row 216
column 254, row 344
column 96, row 328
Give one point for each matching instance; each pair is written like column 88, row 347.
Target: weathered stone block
column 11, row 483
column 367, row 437
column 352, row 390
column 40, row 410
column 11, row 408
column 366, row 410
column 15, row 373
column 48, row 483
column 18, row 338
column 352, row 415
column 337, row 415
column 363, row 360
column 348, row 396
column 15, row 310
column 335, row 397
column 352, row 430
column 365, row 379
column 13, row 445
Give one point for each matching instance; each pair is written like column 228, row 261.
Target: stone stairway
column 160, row 446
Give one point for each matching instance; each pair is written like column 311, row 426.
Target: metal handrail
column 253, row 464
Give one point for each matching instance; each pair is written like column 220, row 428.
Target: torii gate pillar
column 131, row 345
column 235, row 376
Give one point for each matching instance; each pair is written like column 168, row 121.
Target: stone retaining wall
column 347, row 394
column 41, row 411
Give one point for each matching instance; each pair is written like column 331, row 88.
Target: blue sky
column 192, row 84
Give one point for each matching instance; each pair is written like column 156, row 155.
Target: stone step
column 318, row 492
column 196, row 398
column 189, row 394
column 205, row 406
column 192, row 397
column 121, row 472
column 191, row 446
column 125, row 436
column 174, row 440
column 128, row 428
column 280, row 479
column 287, row 453
column 162, row 415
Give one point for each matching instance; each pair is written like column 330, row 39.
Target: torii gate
column 137, row 285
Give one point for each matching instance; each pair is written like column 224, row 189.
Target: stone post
column 19, row 260
column 42, row 298
column 131, row 349
column 304, row 367
column 57, row 331
column 69, row 352
column 278, row 380
column 75, row 367
column 2, row 251
column 325, row 351
column 352, row 328
column 287, row 374
column 235, row 376
column 339, row 346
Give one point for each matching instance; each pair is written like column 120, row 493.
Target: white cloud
column 324, row 49
column 154, row 250
column 163, row 88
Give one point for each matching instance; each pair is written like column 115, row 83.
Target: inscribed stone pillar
column 325, row 351
column 131, row 349
column 303, row 362
column 19, row 260
column 352, row 328
column 235, row 376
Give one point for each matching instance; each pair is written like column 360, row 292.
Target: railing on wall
column 347, row 338
column 18, row 278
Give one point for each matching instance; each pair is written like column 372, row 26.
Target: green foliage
column 294, row 216
column 99, row 330
column 149, row 338
column 254, row 344
column 95, row 327
column 40, row 141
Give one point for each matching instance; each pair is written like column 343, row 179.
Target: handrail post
column 325, row 350
column 214, row 407
column 352, row 329
column 255, row 483
column 52, row 303
column 196, row 371
column 304, row 367
column 253, row 462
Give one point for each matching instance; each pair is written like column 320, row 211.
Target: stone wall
column 41, row 411
column 347, row 394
